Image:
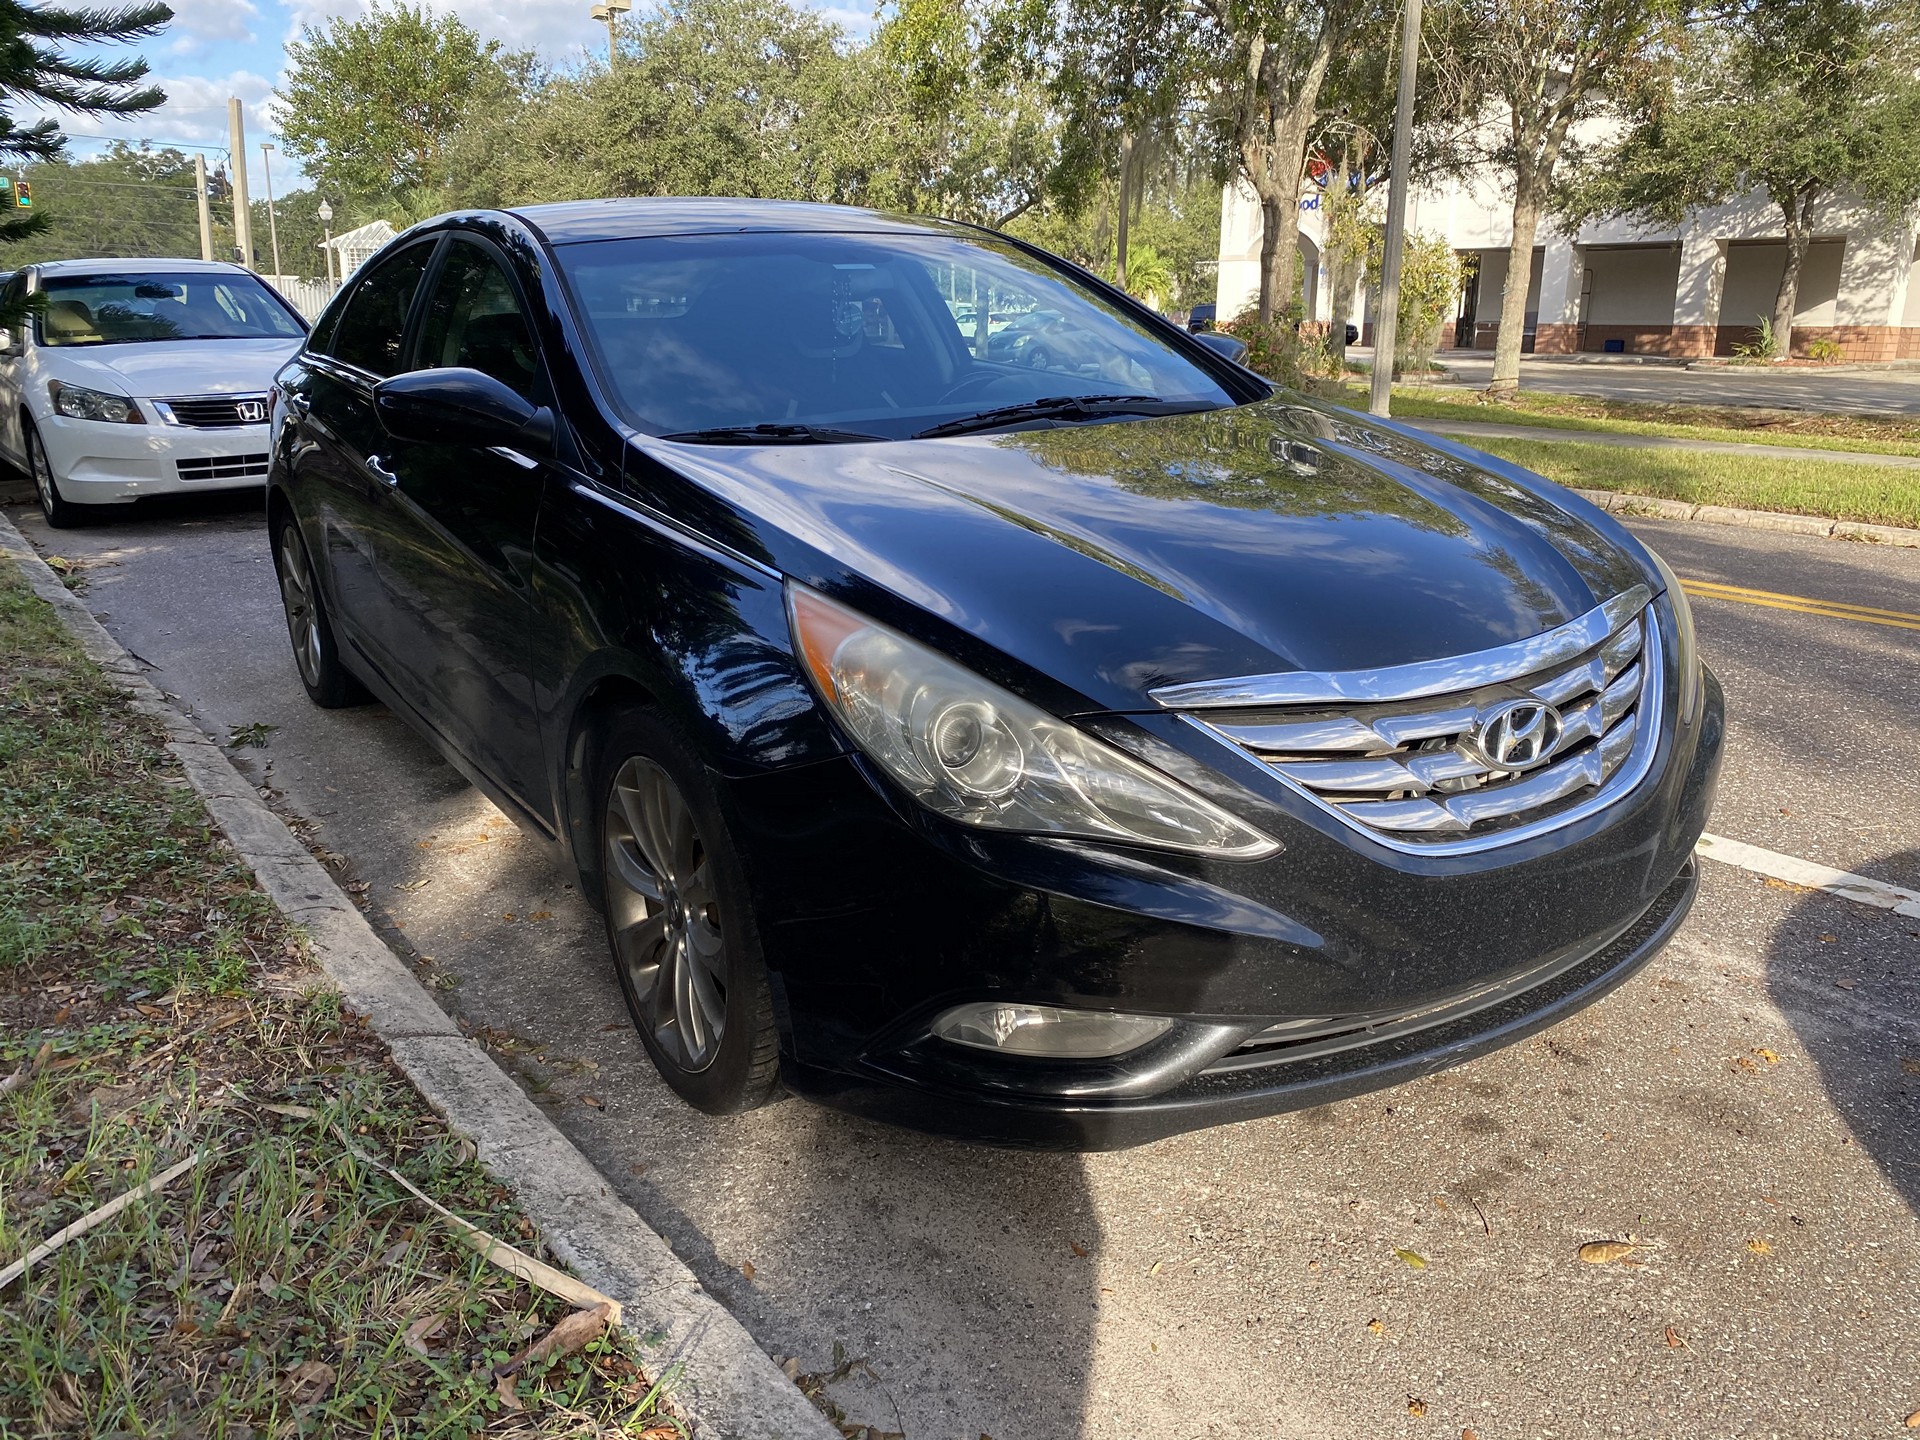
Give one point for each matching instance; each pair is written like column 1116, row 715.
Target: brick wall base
column 1859, row 343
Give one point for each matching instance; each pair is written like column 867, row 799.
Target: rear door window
column 474, row 321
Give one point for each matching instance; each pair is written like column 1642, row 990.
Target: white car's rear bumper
column 97, row 463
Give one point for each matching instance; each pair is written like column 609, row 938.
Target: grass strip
column 1801, row 429
column 154, row 1005
column 1831, row 489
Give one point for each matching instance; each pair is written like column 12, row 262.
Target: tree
column 368, row 104
column 35, row 66
column 711, row 97
column 1544, row 66
column 1802, row 100
column 960, row 136
column 133, row 200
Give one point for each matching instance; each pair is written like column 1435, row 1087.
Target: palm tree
column 1149, row 277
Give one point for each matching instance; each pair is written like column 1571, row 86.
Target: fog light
column 1048, row 1030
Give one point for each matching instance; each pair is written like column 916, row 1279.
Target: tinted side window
column 374, row 323
column 474, row 321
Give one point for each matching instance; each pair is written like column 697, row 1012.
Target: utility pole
column 273, row 224
column 242, row 212
column 1386, row 323
column 200, row 199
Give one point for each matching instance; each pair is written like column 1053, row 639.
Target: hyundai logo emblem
column 1518, row 734
column 251, row 412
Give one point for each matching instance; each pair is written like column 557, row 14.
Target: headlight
column 76, row 402
column 983, row 756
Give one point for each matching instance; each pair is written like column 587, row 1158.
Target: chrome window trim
column 1418, row 679
column 1632, row 771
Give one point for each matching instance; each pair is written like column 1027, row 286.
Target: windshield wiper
column 778, row 434
column 1061, row 407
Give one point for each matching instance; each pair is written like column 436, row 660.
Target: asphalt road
column 1746, row 1109
column 1890, row 392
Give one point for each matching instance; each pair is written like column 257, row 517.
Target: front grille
column 223, row 467
column 1425, row 770
column 215, row 412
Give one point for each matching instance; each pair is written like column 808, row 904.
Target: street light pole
column 325, row 216
column 611, row 11
column 273, row 224
column 200, row 202
column 1387, row 322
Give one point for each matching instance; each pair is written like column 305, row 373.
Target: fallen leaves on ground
column 1767, row 1055
column 1605, row 1252
column 1416, row 1407
column 746, row 1269
column 309, row 1382
column 1676, row 1341
column 1759, row 1247
column 1413, row 1258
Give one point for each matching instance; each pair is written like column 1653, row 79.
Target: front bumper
column 876, row 916
column 946, row 1103
column 97, row 463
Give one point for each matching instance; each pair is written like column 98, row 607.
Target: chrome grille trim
column 1409, row 780
column 1419, row 679
column 209, row 412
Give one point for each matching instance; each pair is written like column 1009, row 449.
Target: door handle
column 380, row 472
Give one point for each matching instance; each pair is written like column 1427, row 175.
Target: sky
column 220, row 48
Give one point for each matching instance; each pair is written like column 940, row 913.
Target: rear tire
column 679, row 924
column 316, row 655
column 60, row 513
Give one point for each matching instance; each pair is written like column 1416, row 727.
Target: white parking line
column 1795, row 871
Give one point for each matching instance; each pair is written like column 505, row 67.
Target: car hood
column 1115, row 558
column 176, row 367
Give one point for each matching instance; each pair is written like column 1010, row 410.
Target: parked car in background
column 1202, row 317
column 139, row 377
column 1036, row 757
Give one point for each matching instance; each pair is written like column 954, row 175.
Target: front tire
column 316, row 654
column 60, row 513
column 679, row 924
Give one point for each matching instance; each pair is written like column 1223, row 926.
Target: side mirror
column 461, row 407
column 1222, row 344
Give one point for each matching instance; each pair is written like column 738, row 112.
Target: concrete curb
column 1651, row 508
column 728, row 1386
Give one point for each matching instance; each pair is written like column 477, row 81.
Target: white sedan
column 139, row 377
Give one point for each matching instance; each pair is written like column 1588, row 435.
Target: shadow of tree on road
column 1848, row 979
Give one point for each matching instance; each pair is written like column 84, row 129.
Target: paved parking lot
column 1400, row 1264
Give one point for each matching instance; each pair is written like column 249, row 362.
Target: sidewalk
column 1493, row 430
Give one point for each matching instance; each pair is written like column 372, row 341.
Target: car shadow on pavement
column 1847, row 977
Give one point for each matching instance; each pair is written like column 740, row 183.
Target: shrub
column 1824, row 350
column 1764, row 345
column 1273, row 346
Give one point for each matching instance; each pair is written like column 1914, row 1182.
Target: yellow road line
column 1802, row 604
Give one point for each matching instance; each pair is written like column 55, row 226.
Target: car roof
column 145, row 265
column 572, row 221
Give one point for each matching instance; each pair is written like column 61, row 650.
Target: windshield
column 855, row 335
column 131, row 309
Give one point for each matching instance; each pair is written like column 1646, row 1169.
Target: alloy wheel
column 297, row 597
column 42, row 474
column 664, row 914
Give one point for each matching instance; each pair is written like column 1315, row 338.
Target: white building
column 1696, row 291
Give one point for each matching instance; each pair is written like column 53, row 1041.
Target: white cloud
column 198, row 24
column 554, row 27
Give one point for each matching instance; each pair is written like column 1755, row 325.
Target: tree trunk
column 1126, row 210
column 1276, row 258
column 1513, row 301
column 1799, row 213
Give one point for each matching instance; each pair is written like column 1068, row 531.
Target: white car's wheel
column 61, row 513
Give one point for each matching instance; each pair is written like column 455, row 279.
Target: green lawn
column 157, row 1016
column 1876, row 494
column 1689, row 422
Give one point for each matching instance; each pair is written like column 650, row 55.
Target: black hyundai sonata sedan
column 1063, row 754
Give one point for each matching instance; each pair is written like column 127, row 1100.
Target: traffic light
column 23, row 195
column 218, row 186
